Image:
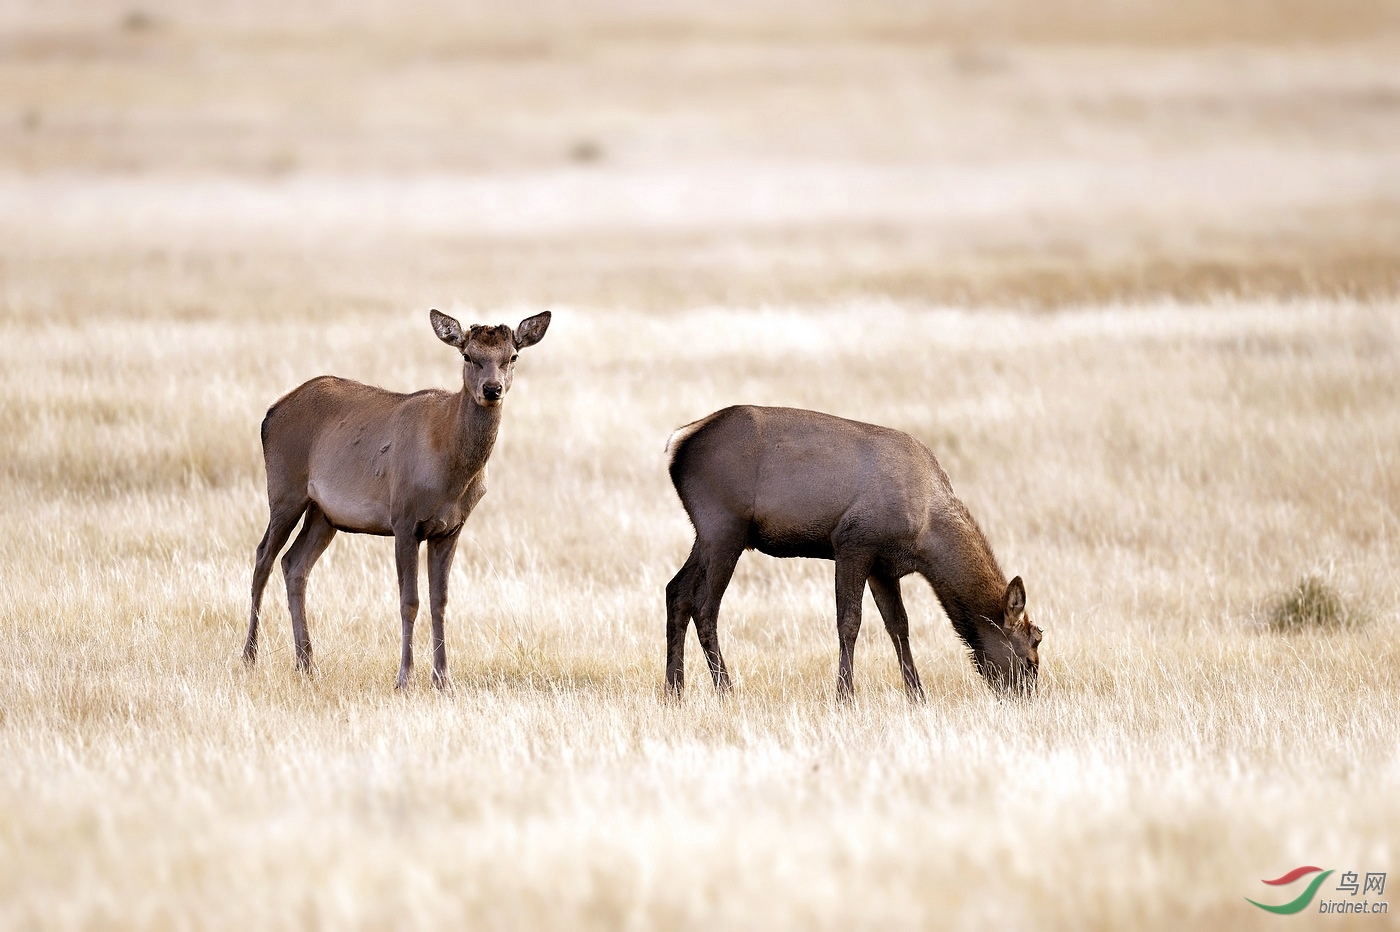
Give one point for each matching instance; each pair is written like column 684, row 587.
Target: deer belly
column 790, row 539
column 350, row 512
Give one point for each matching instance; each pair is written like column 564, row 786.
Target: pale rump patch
column 681, row 434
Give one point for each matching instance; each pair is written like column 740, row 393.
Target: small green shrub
column 1311, row 605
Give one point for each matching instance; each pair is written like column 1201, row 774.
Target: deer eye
column 514, row 357
column 467, row 359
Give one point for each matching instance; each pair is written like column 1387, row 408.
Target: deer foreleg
column 440, row 553
column 406, row 560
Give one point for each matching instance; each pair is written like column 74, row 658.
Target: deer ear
column 447, row 329
column 531, row 330
column 1013, row 602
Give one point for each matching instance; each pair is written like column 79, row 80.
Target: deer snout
column 491, row 391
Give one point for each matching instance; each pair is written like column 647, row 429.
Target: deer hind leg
column 406, row 560
column 440, row 553
column 680, row 608
column 281, row 523
column 890, row 602
column 717, row 552
column 716, row 570
column 315, row 537
column 851, row 573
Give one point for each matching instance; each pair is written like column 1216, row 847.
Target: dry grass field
column 1131, row 270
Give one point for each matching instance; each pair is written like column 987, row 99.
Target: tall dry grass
column 1156, row 473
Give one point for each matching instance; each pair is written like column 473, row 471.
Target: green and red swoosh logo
column 1304, row 898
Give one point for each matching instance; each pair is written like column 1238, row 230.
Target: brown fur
column 353, row 457
column 794, row 483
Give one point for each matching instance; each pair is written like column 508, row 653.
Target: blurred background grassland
column 1129, row 269
column 666, row 155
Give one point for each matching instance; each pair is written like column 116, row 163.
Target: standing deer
column 357, row 458
column 794, row 483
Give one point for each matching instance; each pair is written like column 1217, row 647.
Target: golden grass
column 1130, row 270
column 1156, row 473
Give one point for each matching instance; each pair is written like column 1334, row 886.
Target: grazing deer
column 357, row 458
column 793, row 483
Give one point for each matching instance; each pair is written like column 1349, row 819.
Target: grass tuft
column 1312, row 605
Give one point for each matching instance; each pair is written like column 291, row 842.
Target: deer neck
column 476, row 430
column 967, row 581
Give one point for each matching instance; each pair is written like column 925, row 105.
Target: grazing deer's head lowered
column 1006, row 650
column 356, row 458
column 794, row 483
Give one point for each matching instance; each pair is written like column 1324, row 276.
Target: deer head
column 1007, row 655
column 489, row 353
